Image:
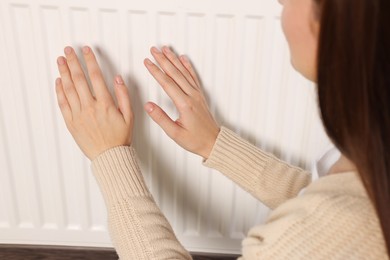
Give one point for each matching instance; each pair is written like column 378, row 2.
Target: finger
column 174, row 92
column 95, row 74
column 78, row 77
column 171, row 71
column 122, row 95
column 187, row 64
column 67, row 84
column 176, row 62
column 63, row 102
column 162, row 119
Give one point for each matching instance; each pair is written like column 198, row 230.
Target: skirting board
column 30, row 252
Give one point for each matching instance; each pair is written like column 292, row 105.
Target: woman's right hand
column 195, row 130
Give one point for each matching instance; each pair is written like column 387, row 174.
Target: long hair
column 353, row 74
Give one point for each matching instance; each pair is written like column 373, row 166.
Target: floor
column 38, row 252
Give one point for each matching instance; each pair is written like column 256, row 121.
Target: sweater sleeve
column 267, row 178
column 137, row 227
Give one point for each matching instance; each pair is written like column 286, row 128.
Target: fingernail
column 155, row 50
column 86, row 49
column 149, row 107
column 61, row 60
column 119, row 80
column 184, row 58
column 68, row 50
column 148, row 62
column 167, row 49
column 58, row 81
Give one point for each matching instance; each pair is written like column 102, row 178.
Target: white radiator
column 48, row 193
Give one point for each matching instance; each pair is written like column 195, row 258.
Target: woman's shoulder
column 337, row 201
column 333, row 212
column 343, row 183
column 341, row 193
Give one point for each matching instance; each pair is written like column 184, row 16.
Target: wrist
column 209, row 147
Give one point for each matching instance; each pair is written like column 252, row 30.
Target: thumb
column 162, row 119
column 122, row 95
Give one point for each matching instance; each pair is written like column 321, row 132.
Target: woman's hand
column 95, row 122
column 195, row 129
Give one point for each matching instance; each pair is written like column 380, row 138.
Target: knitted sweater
column 332, row 219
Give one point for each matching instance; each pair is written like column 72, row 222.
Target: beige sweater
column 332, row 219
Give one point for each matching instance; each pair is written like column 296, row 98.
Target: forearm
column 267, row 178
column 137, row 227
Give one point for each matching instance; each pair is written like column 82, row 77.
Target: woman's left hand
column 95, row 122
column 196, row 129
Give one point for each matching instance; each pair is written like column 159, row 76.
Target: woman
column 343, row 46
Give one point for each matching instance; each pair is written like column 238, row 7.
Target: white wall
column 48, row 193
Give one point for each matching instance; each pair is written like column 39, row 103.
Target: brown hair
column 353, row 70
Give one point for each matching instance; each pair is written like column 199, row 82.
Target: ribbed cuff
column 267, row 178
column 118, row 174
column 236, row 158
